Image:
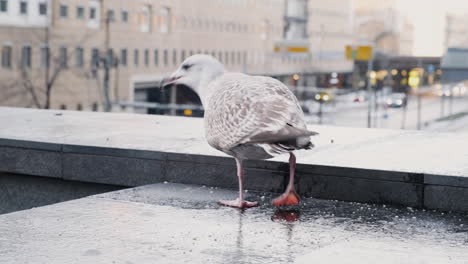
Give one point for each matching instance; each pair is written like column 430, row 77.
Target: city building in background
column 455, row 60
column 383, row 26
column 330, row 30
column 82, row 54
column 456, row 30
column 380, row 24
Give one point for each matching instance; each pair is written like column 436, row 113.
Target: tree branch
column 29, row 86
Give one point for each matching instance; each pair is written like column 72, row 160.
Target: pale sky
column 428, row 18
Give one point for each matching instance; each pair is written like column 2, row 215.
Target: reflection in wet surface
column 268, row 235
column 145, row 229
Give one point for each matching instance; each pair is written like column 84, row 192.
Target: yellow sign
column 291, row 46
column 291, row 49
column 350, row 53
column 362, row 53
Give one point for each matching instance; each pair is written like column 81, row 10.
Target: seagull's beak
column 169, row 81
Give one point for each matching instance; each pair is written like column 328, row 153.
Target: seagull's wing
column 254, row 110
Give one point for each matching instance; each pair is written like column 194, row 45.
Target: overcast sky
column 428, row 18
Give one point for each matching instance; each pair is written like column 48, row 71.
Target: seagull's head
column 196, row 72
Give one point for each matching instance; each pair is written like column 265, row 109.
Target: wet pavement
column 174, row 223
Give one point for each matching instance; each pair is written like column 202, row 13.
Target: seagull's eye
column 186, row 66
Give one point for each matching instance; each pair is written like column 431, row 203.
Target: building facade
column 456, row 30
column 380, row 24
column 63, row 47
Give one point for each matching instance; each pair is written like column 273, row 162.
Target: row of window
column 24, row 7
column 144, row 18
column 80, row 12
column 148, row 57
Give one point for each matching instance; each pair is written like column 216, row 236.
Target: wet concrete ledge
column 175, row 223
column 409, row 168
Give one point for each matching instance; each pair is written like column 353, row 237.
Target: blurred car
column 323, row 97
column 360, row 96
column 359, row 99
column 456, row 90
column 396, row 100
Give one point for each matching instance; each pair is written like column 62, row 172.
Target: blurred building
column 66, row 45
column 455, row 59
column 456, row 31
column 330, row 30
column 381, row 24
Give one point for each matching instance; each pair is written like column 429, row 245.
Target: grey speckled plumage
column 247, row 117
column 254, row 117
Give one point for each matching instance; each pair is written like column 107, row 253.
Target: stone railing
column 109, row 151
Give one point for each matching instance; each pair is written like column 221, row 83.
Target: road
column 355, row 115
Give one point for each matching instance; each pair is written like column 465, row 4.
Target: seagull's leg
column 239, row 202
column 289, row 197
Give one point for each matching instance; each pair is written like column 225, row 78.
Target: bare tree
column 34, row 86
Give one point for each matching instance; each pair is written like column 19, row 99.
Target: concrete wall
column 21, row 192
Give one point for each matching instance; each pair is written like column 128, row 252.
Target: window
column 80, row 12
column 26, row 57
column 92, row 13
column 95, row 107
column 124, row 16
column 165, row 22
column 111, row 15
column 43, row 9
column 45, row 57
column 63, row 57
column 146, row 58
column 3, row 5
column 165, row 57
column 191, row 53
column 265, row 29
column 79, row 55
column 123, row 57
column 135, row 57
column 63, row 107
column 156, row 57
column 110, row 57
column 182, row 55
column 144, row 19
column 226, row 58
column 174, row 57
column 79, row 107
column 6, row 56
column 95, row 58
column 63, row 11
column 23, row 7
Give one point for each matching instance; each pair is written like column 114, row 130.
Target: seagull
column 246, row 117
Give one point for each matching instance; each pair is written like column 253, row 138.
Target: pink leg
column 289, row 197
column 239, row 202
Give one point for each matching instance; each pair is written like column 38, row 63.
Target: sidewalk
column 455, row 123
column 174, row 223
